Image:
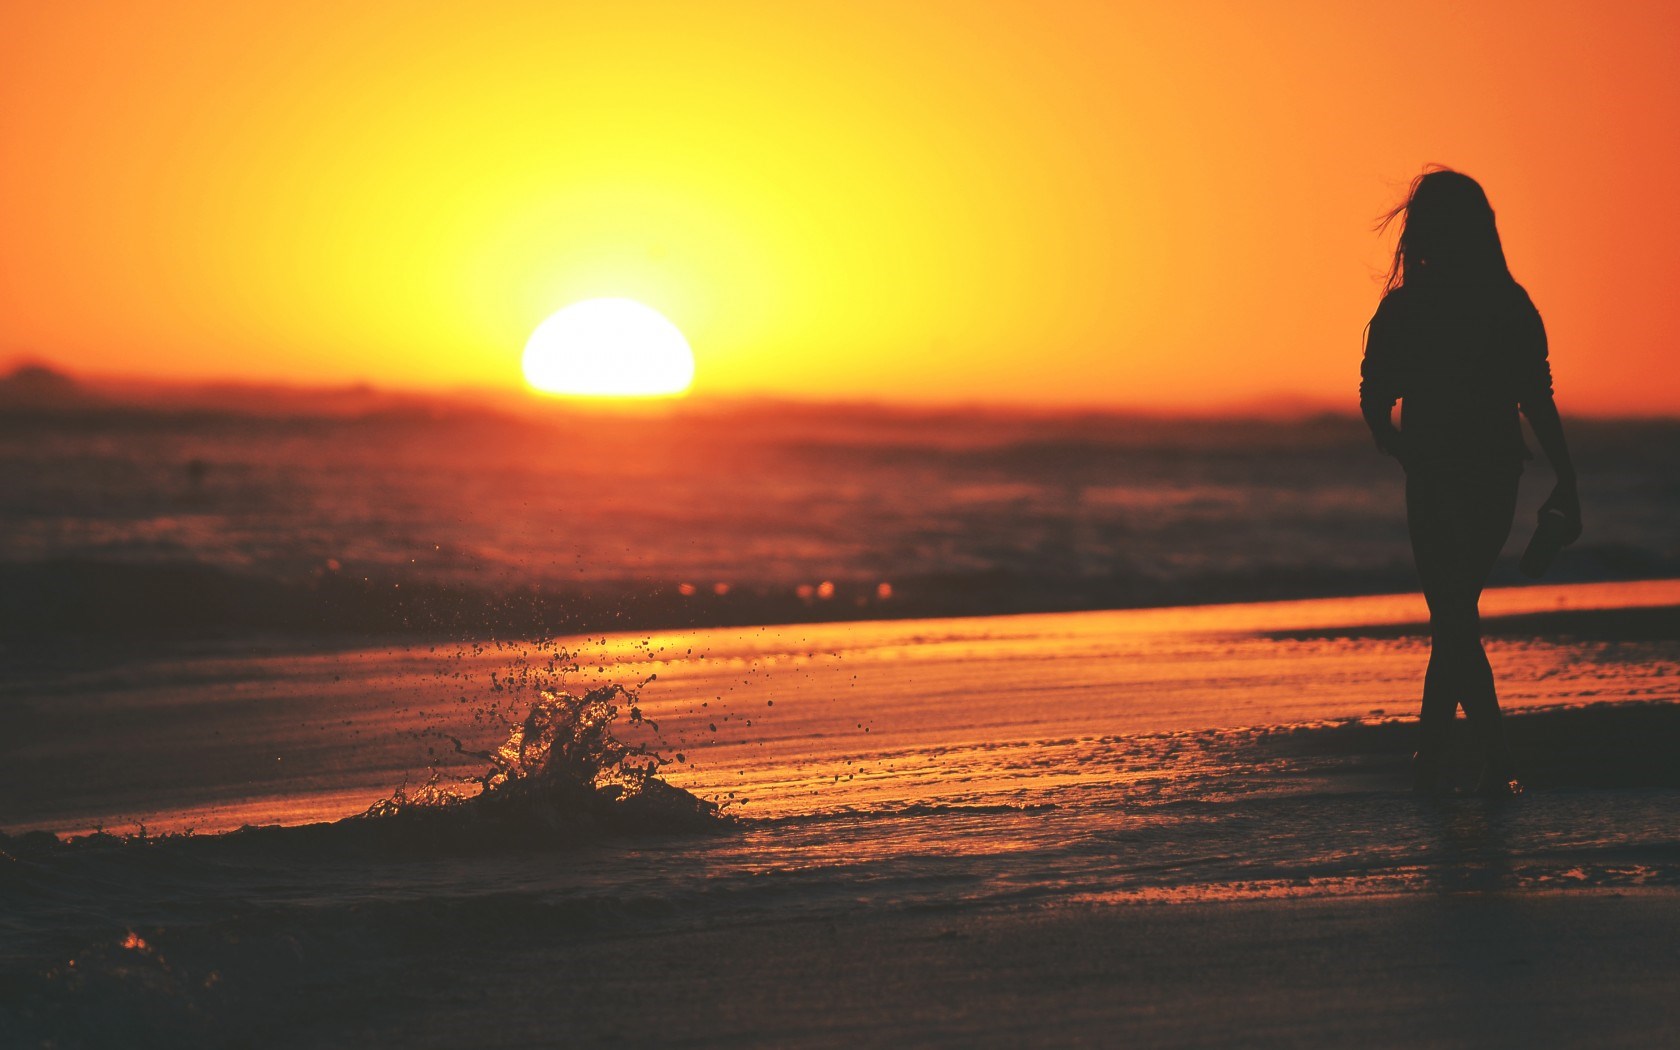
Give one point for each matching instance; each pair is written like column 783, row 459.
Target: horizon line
column 1279, row 406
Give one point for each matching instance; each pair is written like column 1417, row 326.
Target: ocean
column 441, row 518
column 773, row 727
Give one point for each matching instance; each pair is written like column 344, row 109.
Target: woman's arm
column 1543, row 416
column 1378, row 382
column 1548, row 430
column 1379, row 416
column 1535, row 399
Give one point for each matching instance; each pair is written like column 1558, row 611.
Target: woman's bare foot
column 1426, row 772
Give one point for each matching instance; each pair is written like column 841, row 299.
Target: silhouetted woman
column 1457, row 341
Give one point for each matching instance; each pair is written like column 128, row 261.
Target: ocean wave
column 562, row 773
column 562, row 776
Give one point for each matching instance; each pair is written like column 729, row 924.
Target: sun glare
column 608, row 348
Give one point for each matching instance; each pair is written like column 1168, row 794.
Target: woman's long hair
column 1447, row 234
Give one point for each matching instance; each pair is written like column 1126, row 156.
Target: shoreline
column 1511, row 609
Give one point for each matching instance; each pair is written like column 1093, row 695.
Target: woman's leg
column 1458, row 525
column 1492, row 504
column 1436, row 529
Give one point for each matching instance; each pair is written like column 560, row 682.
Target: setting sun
column 608, row 348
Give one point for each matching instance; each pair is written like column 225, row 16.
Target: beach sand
column 1168, row 827
column 1488, row 970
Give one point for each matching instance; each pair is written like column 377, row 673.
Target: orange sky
column 1164, row 204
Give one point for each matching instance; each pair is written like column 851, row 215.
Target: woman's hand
column 1566, row 499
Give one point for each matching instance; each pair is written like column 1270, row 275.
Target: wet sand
column 1484, row 970
column 789, row 719
column 1167, row 827
column 1452, row 970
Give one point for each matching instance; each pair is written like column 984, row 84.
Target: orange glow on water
column 1151, row 204
column 931, row 709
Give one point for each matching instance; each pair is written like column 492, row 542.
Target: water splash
column 562, row 770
